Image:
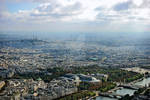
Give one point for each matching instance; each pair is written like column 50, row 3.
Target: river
column 124, row 91
column 104, row 98
column 145, row 81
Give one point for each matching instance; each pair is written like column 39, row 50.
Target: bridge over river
column 111, row 95
column 134, row 87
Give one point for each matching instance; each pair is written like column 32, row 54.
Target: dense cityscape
column 73, row 69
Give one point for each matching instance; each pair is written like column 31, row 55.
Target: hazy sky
column 75, row 15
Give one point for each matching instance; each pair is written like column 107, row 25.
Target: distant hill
column 21, row 43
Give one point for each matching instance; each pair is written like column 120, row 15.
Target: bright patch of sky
column 15, row 7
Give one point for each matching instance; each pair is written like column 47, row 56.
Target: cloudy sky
column 75, row 15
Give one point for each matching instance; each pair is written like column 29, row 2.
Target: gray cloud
column 145, row 4
column 99, row 8
column 122, row 6
column 57, row 11
column 108, row 17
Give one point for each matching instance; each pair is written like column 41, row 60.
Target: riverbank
column 137, row 70
column 123, row 91
column 135, row 81
column 130, row 83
